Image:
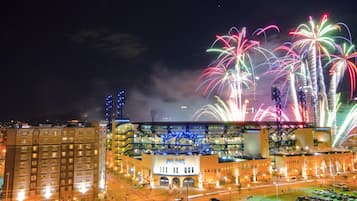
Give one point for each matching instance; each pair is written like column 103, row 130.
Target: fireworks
column 231, row 73
column 316, row 39
column 296, row 66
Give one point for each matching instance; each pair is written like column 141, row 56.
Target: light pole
column 277, row 187
column 229, row 188
column 7, row 184
column 187, row 191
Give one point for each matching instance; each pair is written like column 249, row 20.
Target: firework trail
column 346, row 127
column 232, row 72
column 290, row 73
column 316, row 40
column 220, row 111
column 268, row 114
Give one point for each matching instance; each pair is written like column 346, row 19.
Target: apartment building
column 55, row 162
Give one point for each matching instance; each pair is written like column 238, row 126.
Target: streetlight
column 7, row 184
column 229, row 188
column 21, row 195
column 187, row 191
column 47, row 192
column 83, row 189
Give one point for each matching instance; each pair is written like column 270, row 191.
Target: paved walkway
column 121, row 188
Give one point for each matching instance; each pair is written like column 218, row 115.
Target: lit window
column 63, row 153
column 33, row 170
column 34, row 155
column 54, row 154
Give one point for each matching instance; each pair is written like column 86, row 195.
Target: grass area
column 291, row 196
column 284, row 197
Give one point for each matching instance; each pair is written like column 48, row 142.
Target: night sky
column 59, row 59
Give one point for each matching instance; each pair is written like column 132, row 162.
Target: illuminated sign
column 176, row 165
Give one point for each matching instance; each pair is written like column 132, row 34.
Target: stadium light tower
column 120, row 103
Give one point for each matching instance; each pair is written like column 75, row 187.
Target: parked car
column 214, row 199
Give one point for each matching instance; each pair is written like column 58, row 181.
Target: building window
column 33, row 178
column 33, row 170
column 34, row 155
column 54, row 154
column 63, row 154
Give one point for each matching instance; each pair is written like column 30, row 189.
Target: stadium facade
column 211, row 154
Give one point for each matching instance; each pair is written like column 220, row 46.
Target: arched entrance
column 164, row 181
column 176, row 181
column 188, row 182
